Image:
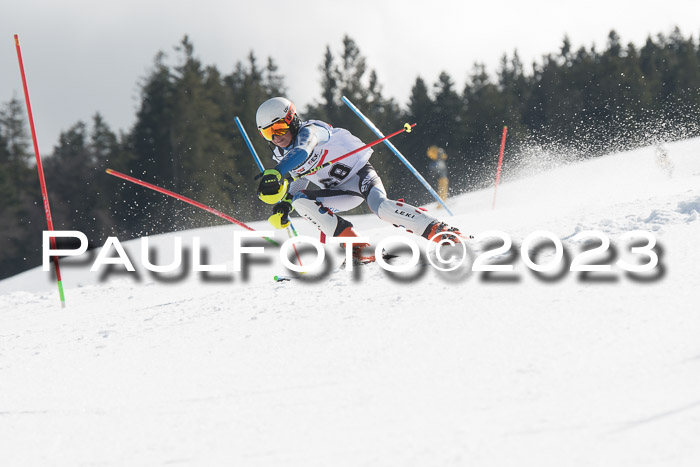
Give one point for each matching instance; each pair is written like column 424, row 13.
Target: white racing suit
column 343, row 185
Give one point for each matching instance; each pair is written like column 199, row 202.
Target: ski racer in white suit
column 300, row 147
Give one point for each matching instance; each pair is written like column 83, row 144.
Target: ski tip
column 109, row 171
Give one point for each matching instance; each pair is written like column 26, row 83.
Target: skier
column 300, row 146
column 438, row 167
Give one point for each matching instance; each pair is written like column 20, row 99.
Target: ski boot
column 357, row 256
column 439, row 232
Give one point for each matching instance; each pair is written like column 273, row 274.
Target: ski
column 357, row 261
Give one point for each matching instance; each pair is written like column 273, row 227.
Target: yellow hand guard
column 277, row 220
column 275, row 198
column 271, row 191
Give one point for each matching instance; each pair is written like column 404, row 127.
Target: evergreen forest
column 184, row 139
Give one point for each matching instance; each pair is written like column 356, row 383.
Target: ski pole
column 249, row 144
column 406, row 127
column 186, row 200
column 40, row 169
column 397, row 153
column 254, row 153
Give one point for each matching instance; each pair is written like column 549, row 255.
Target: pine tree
column 328, row 110
column 21, row 206
column 484, row 116
column 152, row 142
column 72, row 183
column 349, row 76
column 421, row 110
column 683, row 79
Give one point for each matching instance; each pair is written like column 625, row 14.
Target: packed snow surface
column 365, row 368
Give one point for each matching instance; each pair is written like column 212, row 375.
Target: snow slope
column 433, row 370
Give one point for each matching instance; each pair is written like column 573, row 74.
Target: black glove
column 272, row 187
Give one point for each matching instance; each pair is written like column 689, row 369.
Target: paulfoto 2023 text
column 491, row 251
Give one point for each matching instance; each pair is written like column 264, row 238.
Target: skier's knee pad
column 317, row 214
column 376, row 197
column 402, row 214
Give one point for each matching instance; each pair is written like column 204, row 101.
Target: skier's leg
column 443, row 184
column 399, row 213
column 320, row 211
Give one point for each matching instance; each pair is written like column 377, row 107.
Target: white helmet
column 276, row 109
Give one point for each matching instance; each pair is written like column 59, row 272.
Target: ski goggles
column 279, row 128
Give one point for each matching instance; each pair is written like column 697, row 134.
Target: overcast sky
column 87, row 56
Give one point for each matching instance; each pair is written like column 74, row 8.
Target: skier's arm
column 298, row 185
column 307, row 139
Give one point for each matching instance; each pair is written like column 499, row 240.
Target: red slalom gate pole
column 500, row 163
column 406, row 127
column 186, row 200
column 40, row 169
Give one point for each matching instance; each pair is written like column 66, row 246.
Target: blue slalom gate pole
column 396, row 151
column 248, row 143
column 257, row 158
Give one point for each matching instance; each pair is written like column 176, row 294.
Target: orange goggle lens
column 279, row 128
